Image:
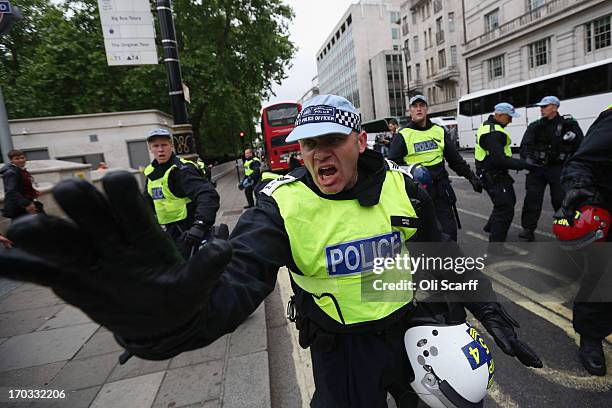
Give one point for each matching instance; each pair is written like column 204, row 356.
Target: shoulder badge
column 276, row 183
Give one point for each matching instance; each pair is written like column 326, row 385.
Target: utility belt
column 490, row 177
column 318, row 332
column 546, row 157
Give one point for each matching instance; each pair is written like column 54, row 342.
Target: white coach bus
column 584, row 92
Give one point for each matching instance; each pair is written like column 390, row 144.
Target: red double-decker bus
column 277, row 121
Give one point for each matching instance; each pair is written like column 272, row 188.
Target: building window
column 404, row 25
column 534, row 4
column 428, row 69
column 409, row 73
column 415, row 40
column 433, row 69
column 439, row 31
column 597, row 34
column 429, row 33
column 437, row 5
column 442, row 58
column 414, row 16
column 395, row 17
column 451, row 22
column 426, row 42
column 451, row 91
column 491, row 20
column 418, row 71
column 453, row 52
column 395, row 35
column 539, row 53
column 406, row 50
column 496, row 67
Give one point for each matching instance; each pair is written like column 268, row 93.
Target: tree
column 232, row 52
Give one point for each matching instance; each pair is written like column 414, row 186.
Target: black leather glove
column 476, row 183
column 531, row 164
column 499, row 325
column 115, row 263
column 574, row 198
column 195, row 235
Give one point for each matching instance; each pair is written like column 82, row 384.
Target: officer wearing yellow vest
column 493, row 160
column 424, row 142
column 185, row 202
column 327, row 222
column 252, row 175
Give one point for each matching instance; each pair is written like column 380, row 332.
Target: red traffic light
column 241, row 134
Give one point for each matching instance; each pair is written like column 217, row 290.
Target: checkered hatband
column 324, row 113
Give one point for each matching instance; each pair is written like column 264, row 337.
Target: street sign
column 129, row 33
column 5, row 7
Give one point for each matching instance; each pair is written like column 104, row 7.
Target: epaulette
column 569, row 117
column 395, row 167
column 276, row 183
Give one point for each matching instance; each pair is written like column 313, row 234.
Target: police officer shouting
column 586, row 178
column 252, row 174
column 548, row 141
column 357, row 347
column 493, row 160
column 185, row 203
column 426, row 143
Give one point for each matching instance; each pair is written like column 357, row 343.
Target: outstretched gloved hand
column 500, row 324
column 114, row 262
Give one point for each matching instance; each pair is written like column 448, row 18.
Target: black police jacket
column 187, row 181
column 398, row 151
column 261, row 246
column 591, row 165
column 543, row 140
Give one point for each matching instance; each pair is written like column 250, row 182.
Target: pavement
column 46, row 344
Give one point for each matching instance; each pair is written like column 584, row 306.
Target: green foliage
column 231, row 51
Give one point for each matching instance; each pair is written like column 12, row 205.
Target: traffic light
column 241, row 134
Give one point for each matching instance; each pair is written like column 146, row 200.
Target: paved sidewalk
column 46, row 344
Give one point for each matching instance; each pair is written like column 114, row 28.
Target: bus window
column 490, row 101
column 282, row 116
column 279, row 141
column 538, row 90
column 515, row 96
column 465, row 108
column 588, row 82
column 477, row 108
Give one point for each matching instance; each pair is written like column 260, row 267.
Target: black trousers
column 443, row 197
column 248, row 193
column 359, row 371
column 535, row 184
column 501, row 192
column 592, row 305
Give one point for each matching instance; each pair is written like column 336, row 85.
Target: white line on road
column 513, row 248
column 477, row 215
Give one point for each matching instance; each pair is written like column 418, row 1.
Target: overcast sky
column 313, row 22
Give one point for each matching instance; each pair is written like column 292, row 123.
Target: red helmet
column 590, row 224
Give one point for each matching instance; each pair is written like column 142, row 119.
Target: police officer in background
column 252, row 174
column 357, row 346
column 493, row 160
column 185, row 202
column 586, row 178
column 548, row 141
column 424, row 142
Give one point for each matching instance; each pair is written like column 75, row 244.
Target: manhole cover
column 232, row 212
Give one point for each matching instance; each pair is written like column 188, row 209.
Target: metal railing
column 548, row 9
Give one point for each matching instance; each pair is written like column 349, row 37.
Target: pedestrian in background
column 20, row 196
column 252, row 175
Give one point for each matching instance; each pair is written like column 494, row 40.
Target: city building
column 432, row 35
column 312, row 92
column 350, row 61
column 117, row 138
column 512, row 41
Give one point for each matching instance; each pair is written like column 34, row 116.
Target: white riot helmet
column 452, row 365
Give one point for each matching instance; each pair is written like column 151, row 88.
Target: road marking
column 477, row 215
column 513, row 248
column 501, row 398
column 563, row 378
